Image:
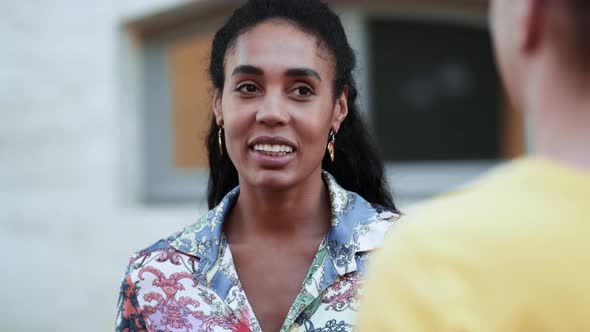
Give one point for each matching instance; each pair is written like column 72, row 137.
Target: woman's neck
column 303, row 210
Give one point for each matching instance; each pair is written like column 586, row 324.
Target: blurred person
column 297, row 193
column 511, row 252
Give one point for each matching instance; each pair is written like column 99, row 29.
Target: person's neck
column 303, row 210
column 559, row 109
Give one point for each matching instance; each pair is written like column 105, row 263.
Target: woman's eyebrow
column 303, row 72
column 298, row 72
column 247, row 69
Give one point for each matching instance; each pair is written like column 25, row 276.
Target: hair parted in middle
column 358, row 167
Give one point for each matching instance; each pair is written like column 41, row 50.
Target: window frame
column 410, row 181
column 414, row 181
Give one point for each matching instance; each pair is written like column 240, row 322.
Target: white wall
column 65, row 235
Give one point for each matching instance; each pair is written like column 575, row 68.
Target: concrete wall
column 65, row 234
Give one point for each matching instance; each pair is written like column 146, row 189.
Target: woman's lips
column 272, row 160
column 272, row 152
column 272, row 141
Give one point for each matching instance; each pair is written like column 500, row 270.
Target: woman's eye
column 247, row 87
column 303, row 91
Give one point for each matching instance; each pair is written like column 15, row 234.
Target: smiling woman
column 275, row 97
column 297, row 195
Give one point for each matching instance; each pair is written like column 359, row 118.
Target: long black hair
column 357, row 167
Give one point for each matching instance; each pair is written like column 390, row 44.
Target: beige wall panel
column 191, row 101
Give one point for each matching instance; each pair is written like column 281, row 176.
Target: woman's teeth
column 273, row 150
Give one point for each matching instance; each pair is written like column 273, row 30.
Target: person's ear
column 532, row 24
column 340, row 110
column 216, row 105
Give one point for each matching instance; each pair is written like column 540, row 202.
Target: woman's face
column 277, row 106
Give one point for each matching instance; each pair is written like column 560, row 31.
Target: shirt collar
column 357, row 226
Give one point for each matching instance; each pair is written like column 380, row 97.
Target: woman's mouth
column 273, row 150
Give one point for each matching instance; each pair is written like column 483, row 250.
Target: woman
column 285, row 244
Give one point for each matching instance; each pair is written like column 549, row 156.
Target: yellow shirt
column 509, row 253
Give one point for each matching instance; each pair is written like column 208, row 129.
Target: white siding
column 65, row 234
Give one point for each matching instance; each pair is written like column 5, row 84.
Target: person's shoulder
column 384, row 214
column 353, row 215
column 383, row 220
column 433, row 237
column 466, row 224
column 158, row 266
column 172, row 249
column 367, row 226
column 483, row 202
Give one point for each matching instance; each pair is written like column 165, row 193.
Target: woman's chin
column 281, row 179
column 272, row 180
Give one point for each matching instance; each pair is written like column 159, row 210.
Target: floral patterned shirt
column 188, row 282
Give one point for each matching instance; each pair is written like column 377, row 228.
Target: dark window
column 436, row 93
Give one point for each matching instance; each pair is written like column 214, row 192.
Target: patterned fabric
column 188, row 282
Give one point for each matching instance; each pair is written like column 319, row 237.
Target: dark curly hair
column 358, row 167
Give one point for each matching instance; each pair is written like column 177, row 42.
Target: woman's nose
column 273, row 109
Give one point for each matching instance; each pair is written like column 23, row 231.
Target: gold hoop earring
column 332, row 141
column 220, row 140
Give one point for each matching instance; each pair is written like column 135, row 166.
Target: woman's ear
column 216, row 104
column 340, row 110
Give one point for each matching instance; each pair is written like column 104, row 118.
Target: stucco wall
column 65, row 233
